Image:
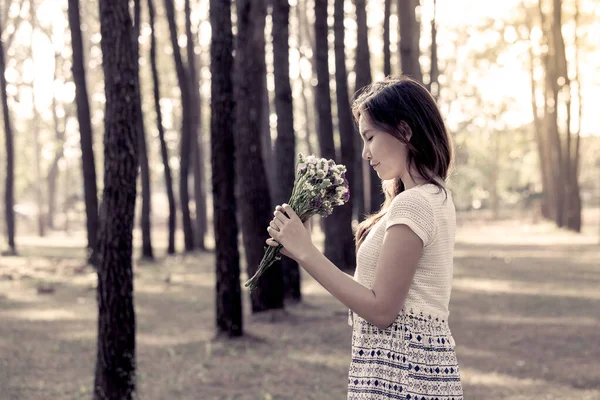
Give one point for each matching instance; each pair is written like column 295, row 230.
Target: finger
column 280, row 216
column 279, row 208
column 274, row 234
column 273, row 225
column 289, row 211
column 272, row 242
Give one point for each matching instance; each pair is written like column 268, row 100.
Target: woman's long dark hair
column 400, row 106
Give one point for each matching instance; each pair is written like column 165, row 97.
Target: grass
column 525, row 314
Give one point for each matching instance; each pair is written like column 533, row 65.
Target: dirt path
column 525, row 313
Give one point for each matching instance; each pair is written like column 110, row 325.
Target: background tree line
column 212, row 100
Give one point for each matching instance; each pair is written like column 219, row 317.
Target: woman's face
column 384, row 152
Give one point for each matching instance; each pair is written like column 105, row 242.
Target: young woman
column 402, row 347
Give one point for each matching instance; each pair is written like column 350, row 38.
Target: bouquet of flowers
column 319, row 185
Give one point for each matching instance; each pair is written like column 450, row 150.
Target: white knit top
column 427, row 212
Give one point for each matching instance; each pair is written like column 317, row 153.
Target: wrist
column 306, row 256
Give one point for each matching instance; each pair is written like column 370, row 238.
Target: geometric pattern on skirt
column 412, row 359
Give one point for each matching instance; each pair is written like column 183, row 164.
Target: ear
column 405, row 130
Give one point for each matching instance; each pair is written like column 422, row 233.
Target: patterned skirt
column 413, row 359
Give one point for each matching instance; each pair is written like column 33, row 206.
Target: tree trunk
column 410, row 33
column 285, row 145
column 387, row 55
column 196, row 133
column 552, row 88
column 327, row 146
column 343, row 248
column 256, row 209
column 363, row 78
column 9, row 201
column 39, row 193
column 187, row 122
column 538, row 130
column 305, row 39
column 161, row 135
column 116, row 358
column 266, row 143
column 228, row 292
column 59, row 142
column 85, row 131
column 574, row 220
column 145, row 217
column 434, row 86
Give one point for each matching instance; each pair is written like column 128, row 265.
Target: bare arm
column 396, row 266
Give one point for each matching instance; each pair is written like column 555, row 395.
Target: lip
column 375, row 165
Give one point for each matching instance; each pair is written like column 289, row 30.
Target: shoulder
column 415, row 209
column 418, row 198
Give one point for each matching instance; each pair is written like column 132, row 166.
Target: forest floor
column 525, row 314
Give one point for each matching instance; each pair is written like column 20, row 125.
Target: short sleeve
column 414, row 210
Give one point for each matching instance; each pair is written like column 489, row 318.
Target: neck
column 410, row 182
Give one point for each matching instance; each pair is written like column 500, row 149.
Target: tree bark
column 363, row 78
column 434, row 86
column 266, row 143
column 286, row 142
column 551, row 94
column 9, row 212
column 387, row 55
column 410, row 33
column 574, row 220
column 116, row 358
column 161, row 134
column 39, row 193
column 343, row 248
column 187, row 122
column 196, row 132
column 145, row 217
column 538, row 129
column 228, row 292
column 333, row 242
column 85, row 131
column 59, row 142
column 256, row 209
column 303, row 38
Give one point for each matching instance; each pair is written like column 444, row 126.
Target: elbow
column 384, row 320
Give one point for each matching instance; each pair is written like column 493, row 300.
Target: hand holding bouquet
column 319, row 185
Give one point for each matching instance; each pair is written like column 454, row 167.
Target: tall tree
column 563, row 196
column 343, row 249
column 228, row 292
column 305, row 40
column 196, row 132
column 255, row 209
column 573, row 194
column 326, row 142
column 434, row 86
column 145, row 220
column 85, row 131
column 59, row 142
column 116, row 357
column 186, row 128
column 164, row 152
column 35, row 129
column 387, row 54
column 410, row 34
column 286, row 142
column 365, row 202
column 9, row 188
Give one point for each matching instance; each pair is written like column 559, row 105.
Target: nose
column 365, row 156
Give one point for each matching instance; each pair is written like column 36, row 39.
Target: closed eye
column 369, row 139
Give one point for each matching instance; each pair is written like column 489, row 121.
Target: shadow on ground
column 525, row 317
